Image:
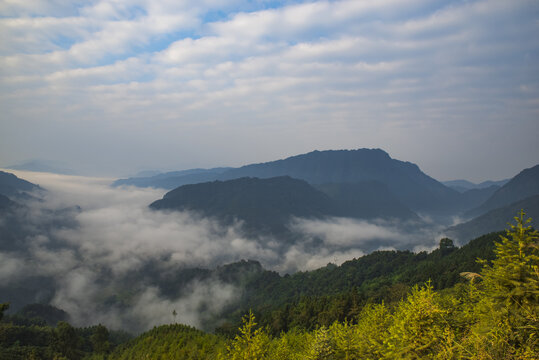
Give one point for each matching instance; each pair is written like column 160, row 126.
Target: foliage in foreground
column 493, row 316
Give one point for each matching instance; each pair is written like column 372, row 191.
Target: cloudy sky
column 115, row 86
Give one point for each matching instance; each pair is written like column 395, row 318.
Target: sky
column 109, row 88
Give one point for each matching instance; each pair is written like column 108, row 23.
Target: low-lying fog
column 89, row 251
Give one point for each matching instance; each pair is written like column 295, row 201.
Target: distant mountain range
column 173, row 179
column 43, row 166
column 405, row 180
column 465, row 185
column 414, row 188
column 364, row 183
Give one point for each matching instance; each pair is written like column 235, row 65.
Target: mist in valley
column 105, row 257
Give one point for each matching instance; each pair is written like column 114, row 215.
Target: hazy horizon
column 61, row 168
column 109, row 88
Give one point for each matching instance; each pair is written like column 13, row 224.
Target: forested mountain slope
column 268, row 205
column 264, row 204
column 491, row 312
column 523, row 185
column 494, row 220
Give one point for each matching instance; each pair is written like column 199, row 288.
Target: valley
column 342, row 235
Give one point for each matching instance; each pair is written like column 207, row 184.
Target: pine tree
column 508, row 312
column 251, row 344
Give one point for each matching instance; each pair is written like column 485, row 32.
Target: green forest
column 480, row 301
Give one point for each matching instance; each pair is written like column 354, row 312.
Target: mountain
column 414, row 188
column 465, row 185
column 147, row 173
column 5, row 202
column 405, row 180
column 366, row 200
column 43, row 166
column 12, row 220
column 12, row 186
column 495, row 220
column 43, row 313
column 523, row 185
column 264, row 204
column 269, row 204
column 173, row 179
column 474, row 197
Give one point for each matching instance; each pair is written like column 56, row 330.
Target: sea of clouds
column 90, row 237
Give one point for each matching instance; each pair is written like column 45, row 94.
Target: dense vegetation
column 492, row 315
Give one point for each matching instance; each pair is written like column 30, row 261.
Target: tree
column 418, row 327
column 66, row 341
column 3, row 307
column 446, row 246
column 508, row 311
column 251, row 344
column 100, row 340
column 513, row 278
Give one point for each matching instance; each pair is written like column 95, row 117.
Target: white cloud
column 345, row 231
column 174, row 67
column 101, row 252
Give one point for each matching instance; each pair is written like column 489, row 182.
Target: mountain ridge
column 415, row 189
column 269, row 204
column 495, row 219
column 521, row 186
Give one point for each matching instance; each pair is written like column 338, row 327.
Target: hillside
column 176, row 341
column 523, row 185
column 472, row 197
column 264, row 204
column 5, row 203
column 366, row 200
column 350, row 310
column 494, row 220
column 267, row 205
column 12, row 186
column 371, row 276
